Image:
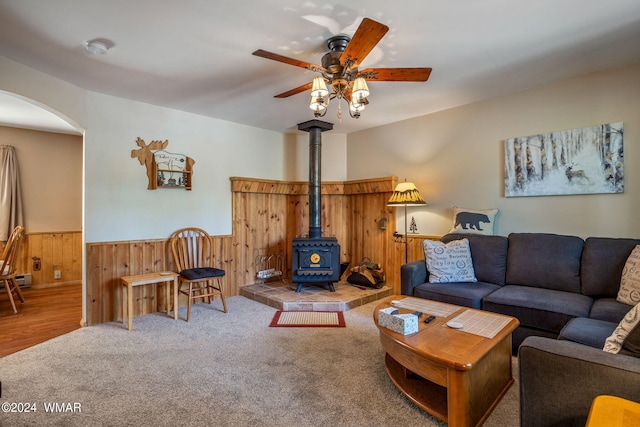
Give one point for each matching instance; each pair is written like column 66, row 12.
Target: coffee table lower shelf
column 428, row 395
column 467, row 403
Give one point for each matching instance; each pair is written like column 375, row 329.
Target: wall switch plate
column 57, row 275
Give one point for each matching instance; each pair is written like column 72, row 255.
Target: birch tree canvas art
column 588, row 160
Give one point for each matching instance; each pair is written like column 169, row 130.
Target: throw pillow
column 449, row 262
column 616, row 341
column 629, row 292
column 632, row 344
column 474, row 221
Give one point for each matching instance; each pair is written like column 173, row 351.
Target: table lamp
column 405, row 194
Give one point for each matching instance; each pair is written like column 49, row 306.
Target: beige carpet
column 219, row 369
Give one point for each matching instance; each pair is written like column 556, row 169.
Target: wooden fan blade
column 396, row 74
column 275, row 57
column 366, row 37
column 294, row 91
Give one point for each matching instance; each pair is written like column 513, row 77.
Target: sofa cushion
column 449, row 262
column 545, row 309
column 602, row 262
column 543, row 260
column 464, row 294
column 629, row 292
column 474, row 221
column 489, row 255
column 591, row 332
column 609, row 309
column 615, row 342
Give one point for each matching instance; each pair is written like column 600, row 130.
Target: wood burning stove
column 315, row 259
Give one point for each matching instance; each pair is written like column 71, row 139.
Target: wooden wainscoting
column 267, row 215
column 108, row 261
column 57, row 251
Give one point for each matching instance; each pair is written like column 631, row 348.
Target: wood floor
column 46, row 313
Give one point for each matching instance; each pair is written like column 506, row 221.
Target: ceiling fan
column 340, row 69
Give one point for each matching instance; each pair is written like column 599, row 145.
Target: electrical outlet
column 57, row 275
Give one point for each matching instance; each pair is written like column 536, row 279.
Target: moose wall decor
column 164, row 169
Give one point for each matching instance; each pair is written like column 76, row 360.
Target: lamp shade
column 318, row 88
column 360, row 89
column 317, row 103
column 356, row 108
column 404, row 194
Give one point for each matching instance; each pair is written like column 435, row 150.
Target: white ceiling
column 195, row 55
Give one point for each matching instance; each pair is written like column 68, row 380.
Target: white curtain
column 11, row 214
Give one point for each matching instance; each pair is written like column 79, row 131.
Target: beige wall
column 50, row 178
column 456, row 157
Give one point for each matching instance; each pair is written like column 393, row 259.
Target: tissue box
column 404, row 324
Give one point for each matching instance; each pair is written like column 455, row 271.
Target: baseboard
column 56, row 284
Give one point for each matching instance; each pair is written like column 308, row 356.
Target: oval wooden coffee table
column 457, row 375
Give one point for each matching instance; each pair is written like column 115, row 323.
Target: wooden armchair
column 8, row 266
column 192, row 250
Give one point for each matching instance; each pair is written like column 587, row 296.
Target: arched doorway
column 50, row 151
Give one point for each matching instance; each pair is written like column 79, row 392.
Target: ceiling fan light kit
column 340, row 70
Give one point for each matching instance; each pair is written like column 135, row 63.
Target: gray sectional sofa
column 563, row 291
column 544, row 280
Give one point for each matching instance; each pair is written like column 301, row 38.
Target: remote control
column 429, row 319
column 417, row 313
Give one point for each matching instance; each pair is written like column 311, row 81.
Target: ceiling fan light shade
column 319, row 87
column 360, row 89
column 317, row 104
column 356, row 107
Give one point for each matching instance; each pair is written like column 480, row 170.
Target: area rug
column 308, row 319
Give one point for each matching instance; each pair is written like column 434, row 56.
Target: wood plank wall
column 108, row 261
column 267, row 215
column 57, row 251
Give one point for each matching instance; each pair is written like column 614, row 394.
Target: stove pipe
column 315, row 198
column 315, row 129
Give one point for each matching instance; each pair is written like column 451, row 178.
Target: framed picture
column 588, row 160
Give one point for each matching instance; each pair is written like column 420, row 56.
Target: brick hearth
column 283, row 296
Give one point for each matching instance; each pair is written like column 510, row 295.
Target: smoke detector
column 97, row 47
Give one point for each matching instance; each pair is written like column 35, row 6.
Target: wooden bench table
column 128, row 282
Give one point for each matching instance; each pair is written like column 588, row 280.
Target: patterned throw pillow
column 474, row 221
column 631, row 345
column 450, row 262
column 616, row 341
column 629, row 292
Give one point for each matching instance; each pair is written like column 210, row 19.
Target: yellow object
column 611, row 411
